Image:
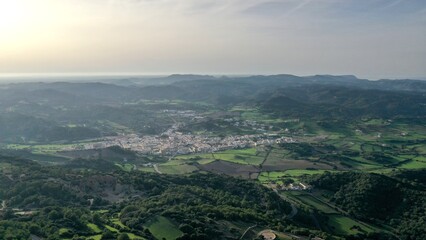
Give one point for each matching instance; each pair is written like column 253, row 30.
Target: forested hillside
column 58, row 202
column 333, row 157
column 396, row 200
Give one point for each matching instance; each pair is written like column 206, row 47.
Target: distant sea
column 83, row 77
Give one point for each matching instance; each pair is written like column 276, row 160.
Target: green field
column 96, row 237
column 95, row 228
column 130, row 235
column 125, row 167
column 205, row 161
column 315, row 203
column 421, row 149
column 249, row 156
column 414, row 164
column 277, row 155
column 298, row 173
column 111, row 228
column 190, row 158
column 344, row 225
column 177, row 169
column 116, row 127
column 146, row 169
column 292, row 174
column 133, row 236
column 118, row 222
column 336, row 222
column 163, row 228
column 265, row 177
column 42, row 148
column 63, row 230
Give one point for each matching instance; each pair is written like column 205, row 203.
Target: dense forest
column 398, row 200
column 48, row 199
column 53, row 198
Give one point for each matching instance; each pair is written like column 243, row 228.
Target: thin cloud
column 393, row 4
column 300, row 36
column 300, row 6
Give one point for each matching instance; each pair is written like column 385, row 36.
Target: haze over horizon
column 368, row 38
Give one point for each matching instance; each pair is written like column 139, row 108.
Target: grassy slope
column 162, row 227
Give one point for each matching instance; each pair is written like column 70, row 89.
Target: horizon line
column 165, row 74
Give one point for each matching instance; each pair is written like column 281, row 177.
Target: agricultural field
column 42, row 149
column 99, row 229
column 115, row 127
column 239, row 162
column 163, row 228
column 287, row 164
column 323, row 149
column 344, row 225
column 95, row 228
column 332, row 219
column 373, row 145
column 233, row 169
column 415, row 163
column 266, row 177
column 126, row 167
column 249, row 156
column 315, row 203
column 177, row 169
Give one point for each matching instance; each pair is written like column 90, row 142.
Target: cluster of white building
column 296, row 186
column 173, row 142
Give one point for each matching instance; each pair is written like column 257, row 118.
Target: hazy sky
column 369, row 38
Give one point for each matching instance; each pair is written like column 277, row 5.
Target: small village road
column 248, row 229
column 156, row 169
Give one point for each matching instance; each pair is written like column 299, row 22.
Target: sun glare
column 12, row 14
column 22, row 22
